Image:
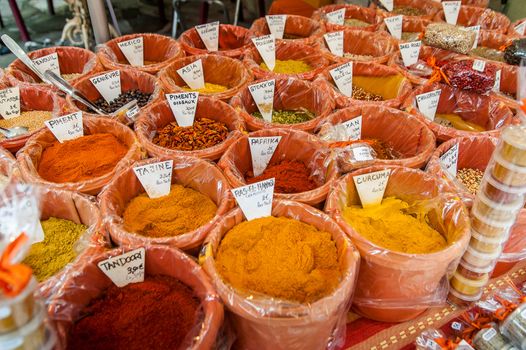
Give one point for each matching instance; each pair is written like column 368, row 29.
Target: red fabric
column 291, row 7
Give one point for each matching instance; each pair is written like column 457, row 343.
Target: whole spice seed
column 33, row 120
column 142, row 99
column 408, row 11
column 358, row 57
column 515, row 52
column 360, row 94
column 203, row 134
column 449, row 37
column 290, row 177
column 381, row 148
column 462, row 75
column 288, row 67
column 353, row 22
column 288, row 117
column 470, row 178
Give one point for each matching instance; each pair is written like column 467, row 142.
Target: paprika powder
column 290, row 177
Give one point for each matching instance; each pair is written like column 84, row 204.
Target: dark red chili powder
column 155, row 314
column 290, row 177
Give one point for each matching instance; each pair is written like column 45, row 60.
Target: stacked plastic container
column 497, row 204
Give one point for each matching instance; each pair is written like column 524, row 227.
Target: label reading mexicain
column 155, row 178
column 66, row 127
column 262, row 149
column 263, row 95
column 10, row 102
column 126, row 268
column 451, row 10
column 255, row 200
column 133, row 50
column 371, row 187
column 183, row 105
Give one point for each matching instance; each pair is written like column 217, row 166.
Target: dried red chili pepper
column 204, row 133
column 462, row 75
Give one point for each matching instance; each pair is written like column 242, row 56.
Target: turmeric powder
column 288, row 67
column 209, row 88
column 280, row 257
column 388, row 226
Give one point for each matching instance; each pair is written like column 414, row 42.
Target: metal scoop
column 14, row 132
column 21, row 55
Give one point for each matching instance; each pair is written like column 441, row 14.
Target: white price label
column 449, row 161
column 336, row 17
column 263, row 95
column 388, row 4
column 126, row 268
column 183, row 105
column 521, row 28
column 428, row 103
column 479, row 65
column 133, row 111
column 155, row 178
column 255, row 200
column 394, row 24
column 10, row 102
column 334, row 41
column 498, row 75
column 193, row 75
column 209, row 34
column 451, row 10
column 48, row 62
column 276, row 25
column 410, row 52
column 108, row 85
column 362, row 154
column 262, row 149
column 352, row 129
column 456, row 326
column 371, row 187
column 133, row 50
column 476, row 30
column 66, row 127
column 489, row 334
column 342, row 76
column 266, row 46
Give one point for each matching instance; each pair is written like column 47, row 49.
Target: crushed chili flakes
column 290, row 177
column 204, row 133
column 382, row 149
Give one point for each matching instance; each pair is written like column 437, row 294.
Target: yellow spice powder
column 288, row 67
column 33, row 120
column 209, row 88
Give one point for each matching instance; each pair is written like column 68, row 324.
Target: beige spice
column 33, row 120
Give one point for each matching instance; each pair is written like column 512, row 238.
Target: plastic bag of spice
column 85, row 282
column 223, row 128
column 298, row 29
column 290, row 94
column 426, row 9
column 398, row 138
column 270, row 323
column 449, row 37
column 159, row 52
column 463, row 75
column 356, row 17
column 470, row 16
column 395, row 286
column 29, row 158
column 294, row 146
column 226, row 72
column 233, row 40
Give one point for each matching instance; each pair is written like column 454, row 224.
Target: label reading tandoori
column 133, row 50
column 262, row 149
column 108, row 85
column 66, row 127
column 255, row 200
column 126, row 268
column 155, row 178
column 371, row 187
column 183, row 105
column 10, row 102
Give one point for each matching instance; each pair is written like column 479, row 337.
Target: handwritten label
column 362, row 154
column 388, row 4
column 351, row 129
column 10, row 102
column 108, row 85
column 371, row 187
column 126, row 268
column 394, row 24
column 476, row 30
column 262, row 149
column 133, row 50
column 498, row 75
column 451, row 10
column 263, row 95
column 449, row 161
column 342, row 76
column 193, row 75
column 66, row 127
column 155, row 178
column 133, row 111
column 336, row 17
column 209, row 34
column 334, row 41
column 479, row 65
column 410, row 52
column 521, row 28
column 276, row 25
column 428, row 103
column 255, row 200
column 48, row 62
column 183, row 105
column 266, row 46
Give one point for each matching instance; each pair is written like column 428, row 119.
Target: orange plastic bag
column 291, row 7
column 265, row 323
column 289, row 94
column 159, row 49
column 216, row 70
column 513, row 32
column 85, row 281
column 428, row 7
column 233, row 40
column 394, row 286
column 287, row 51
column 406, row 134
column 160, row 115
column 477, row 3
column 486, row 111
column 298, row 29
column 29, row 157
column 295, row 145
column 471, row 16
column 351, row 12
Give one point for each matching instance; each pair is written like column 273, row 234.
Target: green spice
column 288, row 117
column 488, row 53
column 408, row 11
column 353, row 22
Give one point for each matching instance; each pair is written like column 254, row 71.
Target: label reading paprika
column 449, row 160
column 479, row 65
column 388, row 4
column 394, row 24
column 193, row 75
column 155, row 178
column 108, row 85
column 10, row 102
column 261, row 150
column 334, row 41
column 263, row 95
column 498, row 75
column 266, row 46
column 371, row 187
column 209, row 34
column 126, row 268
column 276, row 25
column 255, row 200
column 476, row 30
column 336, row 17
column 352, row 129
column 48, row 62
column 410, row 52
column 521, row 28
column 428, row 102
column 183, row 106
column 133, row 50
column 342, row 76
column 66, row 127
column 451, row 10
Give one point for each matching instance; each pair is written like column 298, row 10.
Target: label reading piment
column 126, row 268
column 276, row 25
column 262, row 149
column 266, row 46
column 336, row 17
column 155, row 178
column 342, row 76
column 48, row 62
column 428, row 102
column 263, row 95
column 394, row 24
column 451, row 10
column 362, row 154
column 449, row 160
column 410, row 52
column 10, row 102
column 475, row 29
column 479, row 65
column 334, row 41
column 193, row 75
column 255, row 200
column 352, row 129
column 209, row 34
column 521, row 28
column 183, row 105
column 498, row 75
column 371, row 187
column 133, row 50
column 66, row 127
column 388, row 4
column 108, row 85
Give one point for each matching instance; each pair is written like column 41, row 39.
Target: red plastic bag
column 233, row 41
column 160, row 114
column 351, row 12
column 429, row 8
column 469, row 16
column 216, row 69
column 298, row 29
column 289, row 94
column 159, row 49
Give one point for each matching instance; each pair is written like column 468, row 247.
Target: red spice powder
column 155, row 314
column 290, row 177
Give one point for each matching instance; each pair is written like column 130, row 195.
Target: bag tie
column 438, row 75
column 14, row 277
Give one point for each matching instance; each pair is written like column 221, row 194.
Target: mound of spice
column 209, row 88
column 488, row 53
column 408, row 11
column 142, row 99
column 279, row 257
column 33, row 120
column 456, row 121
column 290, row 177
column 361, row 94
column 204, row 133
column 353, row 22
column 48, row 257
column 288, row 67
column 391, row 226
column 81, row 159
column 182, row 211
column 381, row 148
column 470, row 178
column 155, row 314
column 288, row 117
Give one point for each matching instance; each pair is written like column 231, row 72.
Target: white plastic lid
column 468, row 298
column 504, row 188
column 489, row 240
column 484, row 256
column 494, row 223
column 517, row 205
column 508, row 165
column 478, row 269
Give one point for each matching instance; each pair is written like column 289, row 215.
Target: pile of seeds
column 360, row 94
column 142, row 99
column 408, row 11
column 358, row 57
column 33, row 120
column 288, row 117
column 470, row 178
